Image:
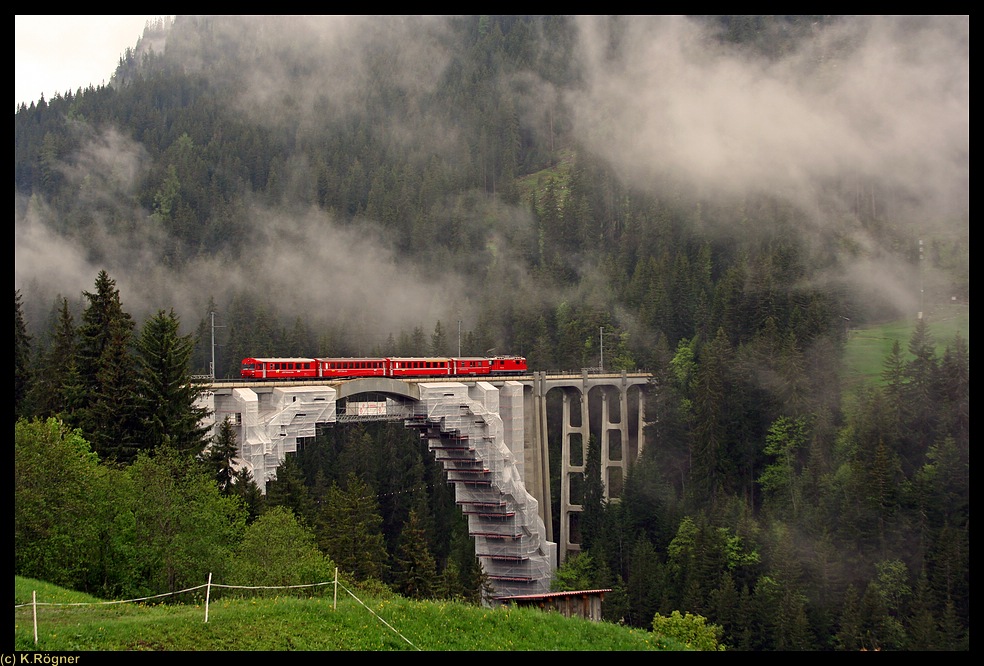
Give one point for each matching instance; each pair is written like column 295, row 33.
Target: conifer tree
column 439, row 341
column 108, row 414
column 289, row 489
column 168, row 408
column 710, row 435
column 222, row 455
column 22, row 358
column 922, row 396
column 351, row 532
column 249, row 493
column 955, row 391
column 849, row 631
column 593, row 514
column 414, row 570
column 57, row 378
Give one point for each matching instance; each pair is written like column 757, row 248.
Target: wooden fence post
column 208, row 593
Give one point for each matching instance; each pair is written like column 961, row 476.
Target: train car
column 279, row 368
column 341, row 368
column 424, row 366
column 472, row 366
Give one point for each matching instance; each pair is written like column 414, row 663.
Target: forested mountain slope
column 718, row 194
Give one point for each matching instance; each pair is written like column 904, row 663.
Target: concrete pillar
column 543, row 453
column 606, row 461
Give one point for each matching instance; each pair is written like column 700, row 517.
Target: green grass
column 304, row 624
column 866, row 349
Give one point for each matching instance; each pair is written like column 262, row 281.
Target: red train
column 392, row 366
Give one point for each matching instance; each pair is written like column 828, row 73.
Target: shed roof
column 554, row 595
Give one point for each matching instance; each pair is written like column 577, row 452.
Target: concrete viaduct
column 492, row 435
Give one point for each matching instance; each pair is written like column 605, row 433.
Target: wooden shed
column 577, row 603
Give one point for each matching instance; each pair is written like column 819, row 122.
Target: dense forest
column 721, row 198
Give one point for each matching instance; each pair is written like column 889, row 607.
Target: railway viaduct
column 492, row 435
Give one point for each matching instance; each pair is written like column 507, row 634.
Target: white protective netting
column 271, row 424
column 467, row 434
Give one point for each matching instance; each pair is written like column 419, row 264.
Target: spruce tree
column 168, row 408
column 414, row 571
column 352, row 530
column 22, row 358
column 221, row 456
column 108, row 413
column 249, row 493
column 593, row 514
column 289, row 489
column 57, row 379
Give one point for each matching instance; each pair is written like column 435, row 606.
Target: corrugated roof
column 552, row 595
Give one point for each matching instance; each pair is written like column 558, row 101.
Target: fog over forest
column 879, row 101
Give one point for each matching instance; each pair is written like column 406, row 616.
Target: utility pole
column 459, row 338
column 211, row 366
column 922, row 298
column 211, row 370
column 602, row 362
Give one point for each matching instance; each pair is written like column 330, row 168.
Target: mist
column 882, row 102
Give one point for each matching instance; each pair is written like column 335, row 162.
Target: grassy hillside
column 866, row 349
column 290, row 623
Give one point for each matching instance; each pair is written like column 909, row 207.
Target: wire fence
column 208, row 587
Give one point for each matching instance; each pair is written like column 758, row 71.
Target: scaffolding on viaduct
column 493, row 437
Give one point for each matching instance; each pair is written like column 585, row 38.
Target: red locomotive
column 392, row 366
